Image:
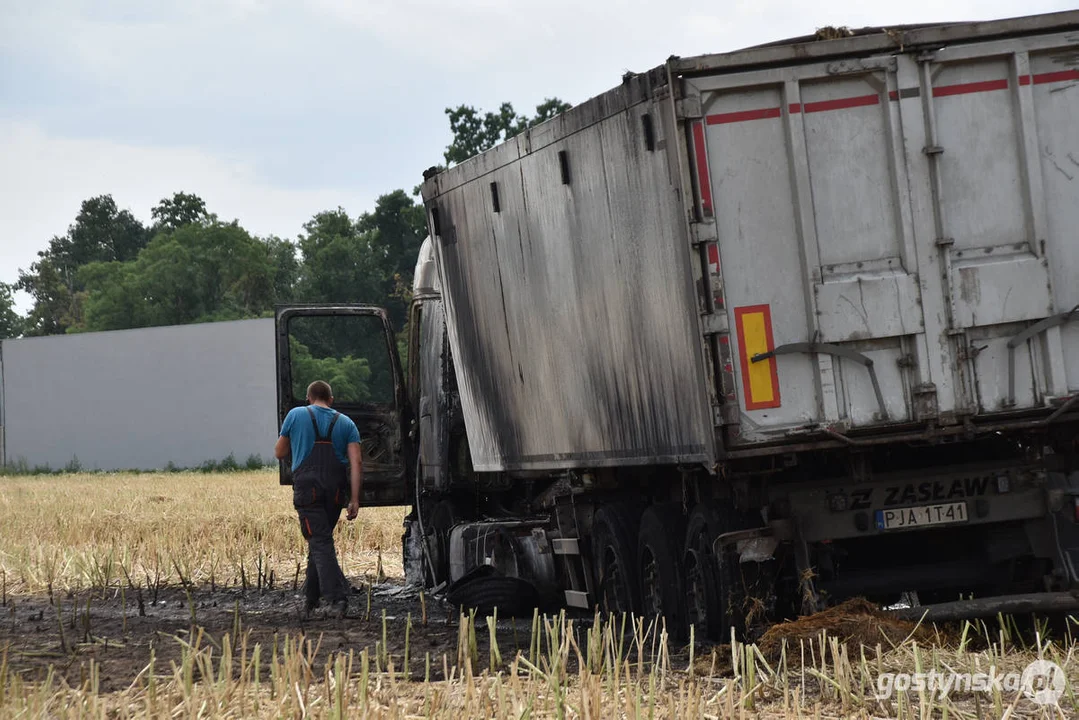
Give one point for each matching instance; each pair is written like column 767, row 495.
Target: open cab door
column 353, row 348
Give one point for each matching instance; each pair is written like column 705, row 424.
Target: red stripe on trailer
column 841, row 103
column 703, row 180
column 713, row 256
column 1059, row 76
column 972, row 87
column 793, row 109
column 718, row 300
column 743, row 115
column 893, row 95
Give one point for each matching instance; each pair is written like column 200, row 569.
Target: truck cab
column 411, row 428
column 354, row 349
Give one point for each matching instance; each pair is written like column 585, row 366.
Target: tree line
column 110, row 271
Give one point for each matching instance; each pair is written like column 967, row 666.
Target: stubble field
column 176, row 595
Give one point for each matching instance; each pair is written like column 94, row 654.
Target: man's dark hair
column 319, row 391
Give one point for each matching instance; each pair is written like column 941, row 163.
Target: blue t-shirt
column 297, row 428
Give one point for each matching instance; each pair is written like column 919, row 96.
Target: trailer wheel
column 721, row 592
column 614, row 556
column 707, row 595
column 703, row 607
column 659, row 551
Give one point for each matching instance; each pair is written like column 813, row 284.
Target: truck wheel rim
column 613, row 586
column 653, row 601
column 696, row 593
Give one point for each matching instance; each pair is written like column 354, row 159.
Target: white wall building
column 139, row 399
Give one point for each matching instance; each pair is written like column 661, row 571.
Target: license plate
column 922, row 516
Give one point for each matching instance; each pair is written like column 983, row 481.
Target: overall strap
column 329, row 431
column 319, row 437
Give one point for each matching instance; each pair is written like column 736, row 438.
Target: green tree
column 286, row 267
column 395, row 229
column 114, row 299
column 179, row 210
column 369, row 261
column 54, row 308
column 338, row 262
column 101, row 233
column 10, row 321
column 473, row 133
column 400, row 225
column 348, row 375
column 548, row 109
column 197, row 273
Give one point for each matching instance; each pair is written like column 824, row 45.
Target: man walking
column 326, row 475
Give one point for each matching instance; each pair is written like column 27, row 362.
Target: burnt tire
column 614, row 558
column 659, row 554
column 484, row 590
column 711, row 601
column 704, row 608
column 723, row 593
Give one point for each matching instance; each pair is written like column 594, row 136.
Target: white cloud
column 46, row 178
column 558, row 34
column 142, row 98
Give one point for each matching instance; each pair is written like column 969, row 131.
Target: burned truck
column 746, row 335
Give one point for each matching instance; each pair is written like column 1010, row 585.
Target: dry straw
column 140, row 534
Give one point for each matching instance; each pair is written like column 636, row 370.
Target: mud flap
column 413, row 552
column 749, row 569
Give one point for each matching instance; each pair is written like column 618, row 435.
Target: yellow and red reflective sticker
column 760, row 380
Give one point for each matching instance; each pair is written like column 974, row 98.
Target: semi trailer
column 749, row 334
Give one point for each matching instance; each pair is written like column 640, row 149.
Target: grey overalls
column 319, row 490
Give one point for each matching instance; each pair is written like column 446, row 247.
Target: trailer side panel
column 572, row 312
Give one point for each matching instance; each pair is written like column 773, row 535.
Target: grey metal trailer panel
column 860, row 235
column 902, row 226
column 885, row 40
column 571, row 304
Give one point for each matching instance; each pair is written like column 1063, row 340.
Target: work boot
column 338, row 609
column 308, row 608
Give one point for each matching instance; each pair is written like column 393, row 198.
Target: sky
column 273, row 110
